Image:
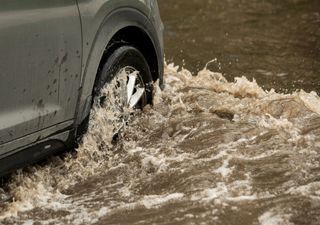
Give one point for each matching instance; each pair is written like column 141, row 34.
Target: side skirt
column 36, row 152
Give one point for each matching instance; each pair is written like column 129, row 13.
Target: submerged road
column 216, row 148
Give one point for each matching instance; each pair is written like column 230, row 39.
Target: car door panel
column 40, row 63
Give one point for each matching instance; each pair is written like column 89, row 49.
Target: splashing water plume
column 208, row 151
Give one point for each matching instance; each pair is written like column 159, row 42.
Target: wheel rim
column 135, row 88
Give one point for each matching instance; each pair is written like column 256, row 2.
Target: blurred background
column 277, row 42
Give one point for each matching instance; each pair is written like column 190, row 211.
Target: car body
column 50, row 52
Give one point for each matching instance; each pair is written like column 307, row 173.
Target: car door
column 40, row 64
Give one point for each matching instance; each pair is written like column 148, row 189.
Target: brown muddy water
column 210, row 150
column 274, row 41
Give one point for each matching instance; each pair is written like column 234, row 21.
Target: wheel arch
column 122, row 26
column 138, row 38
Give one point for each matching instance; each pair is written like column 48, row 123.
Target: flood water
column 275, row 42
column 216, row 148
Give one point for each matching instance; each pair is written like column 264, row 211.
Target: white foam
column 224, row 169
column 28, row 222
column 154, row 201
column 311, row 189
column 271, row 218
column 210, row 194
column 311, row 101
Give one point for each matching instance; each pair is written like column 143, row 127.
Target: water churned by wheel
column 208, row 151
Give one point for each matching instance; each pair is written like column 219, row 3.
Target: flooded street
column 216, row 148
column 275, row 42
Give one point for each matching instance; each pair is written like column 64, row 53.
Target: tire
column 126, row 56
column 122, row 57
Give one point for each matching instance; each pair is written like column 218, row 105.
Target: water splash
column 207, row 150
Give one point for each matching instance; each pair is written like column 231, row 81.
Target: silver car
column 56, row 55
